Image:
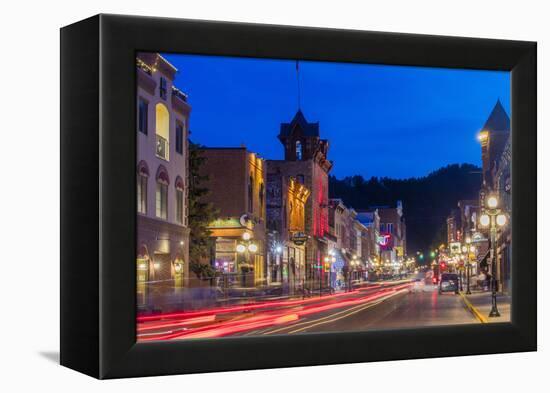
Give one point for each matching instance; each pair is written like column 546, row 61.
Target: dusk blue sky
column 380, row 120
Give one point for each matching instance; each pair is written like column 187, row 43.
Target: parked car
column 448, row 283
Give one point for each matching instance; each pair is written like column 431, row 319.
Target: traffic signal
column 442, row 265
column 327, row 267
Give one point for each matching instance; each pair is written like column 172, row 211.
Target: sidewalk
column 479, row 303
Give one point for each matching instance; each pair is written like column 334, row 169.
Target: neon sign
column 384, row 240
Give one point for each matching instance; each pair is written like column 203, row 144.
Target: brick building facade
column 236, row 183
column 286, row 205
column 306, row 161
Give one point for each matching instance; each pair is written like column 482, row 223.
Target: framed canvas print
column 239, row 196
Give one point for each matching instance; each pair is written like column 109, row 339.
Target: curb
column 473, row 310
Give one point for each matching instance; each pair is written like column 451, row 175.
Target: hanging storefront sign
column 299, row 238
column 385, row 241
column 455, row 248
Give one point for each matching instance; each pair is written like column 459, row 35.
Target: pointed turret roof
column 308, row 129
column 498, row 119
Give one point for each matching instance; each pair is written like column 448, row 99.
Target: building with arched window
column 305, row 159
column 286, row 206
column 163, row 233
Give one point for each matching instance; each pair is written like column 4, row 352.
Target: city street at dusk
column 392, row 304
column 289, row 210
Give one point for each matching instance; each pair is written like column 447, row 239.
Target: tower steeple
column 301, row 141
column 498, row 120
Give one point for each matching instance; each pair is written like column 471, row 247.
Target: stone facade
column 162, row 154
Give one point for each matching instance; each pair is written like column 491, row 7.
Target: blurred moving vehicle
column 430, row 278
column 448, row 283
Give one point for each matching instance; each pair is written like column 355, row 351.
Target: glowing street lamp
column 241, row 248
column 492, row 202
column 485, row 220
column 252, row 247
column 501, row 220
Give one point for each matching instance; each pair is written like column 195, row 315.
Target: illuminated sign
column 385, row 240
column 299, row 238
column 399, row 251
column 478, row 237
column 455, row 247
column 232, row 222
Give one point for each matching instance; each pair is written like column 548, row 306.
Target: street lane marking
column 363, row 307
column 474, row 310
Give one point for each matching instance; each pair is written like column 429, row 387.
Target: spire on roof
column 498, row 119
column 308, row 129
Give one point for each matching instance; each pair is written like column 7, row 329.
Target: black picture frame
column 98, row 212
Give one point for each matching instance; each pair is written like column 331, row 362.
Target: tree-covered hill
column 427, row 201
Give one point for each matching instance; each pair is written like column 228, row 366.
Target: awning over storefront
column 482, row 259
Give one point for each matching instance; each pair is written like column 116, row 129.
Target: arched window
column 161, row 196
column 162, row 128
column 298, row 150
column 142, row 176
column 250, row 194
column 261, row 197
column 179, row 200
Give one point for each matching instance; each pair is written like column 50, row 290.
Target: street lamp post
column 493, row 218
column 246, row 247
column 471, row 250
column 464, row 265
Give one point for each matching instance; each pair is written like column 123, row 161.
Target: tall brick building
column 286, row 203
column 236, row 184
column 306, row 161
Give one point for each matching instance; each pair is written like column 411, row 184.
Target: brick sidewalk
column 480, row 305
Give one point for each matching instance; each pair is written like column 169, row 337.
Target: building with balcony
column 162, row 119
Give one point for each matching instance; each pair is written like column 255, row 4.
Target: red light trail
column 268, row 318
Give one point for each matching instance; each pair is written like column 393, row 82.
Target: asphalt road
column 422, row 306
column 386, row 305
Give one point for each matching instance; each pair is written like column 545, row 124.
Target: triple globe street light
column 246, row 247
column 493, row 218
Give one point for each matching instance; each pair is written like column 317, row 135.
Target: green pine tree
column 201, row 214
